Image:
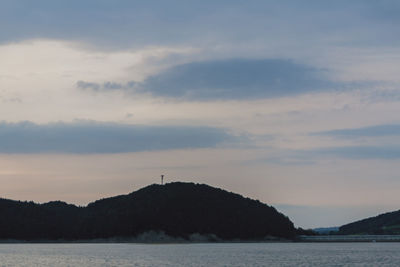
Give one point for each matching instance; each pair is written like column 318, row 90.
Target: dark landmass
column 175, row 211
column 302, row 232
column 384, row 224
column 326, row 230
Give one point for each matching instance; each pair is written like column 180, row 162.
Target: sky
column 293, row 103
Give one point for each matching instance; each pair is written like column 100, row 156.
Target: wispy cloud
column 106, row 86
column 358, row 152
column 370, row 131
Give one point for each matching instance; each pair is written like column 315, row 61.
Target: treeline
column 387, row 223
column 177, row 209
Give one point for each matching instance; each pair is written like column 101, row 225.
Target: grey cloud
column 236, row 79
column 352, row 152
column 370, row 131
column 126, row 23
column 364, row 151
column 88, row 85
column 116, row 23
column 227, row 79
column 112, row 86
column 104, row 87
column 96, row 137
column 384, row 10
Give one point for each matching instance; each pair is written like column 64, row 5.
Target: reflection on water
column 226, row 254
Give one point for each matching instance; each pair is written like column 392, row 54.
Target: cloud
column 363, row 152
column 106, row 86
column 107, row 22
column 129, row 22
column 226, row 79
column 370, row 131
column 88, row 85
column 372, row 142
column 96, row 137
column 236, row 79
column 351, row 152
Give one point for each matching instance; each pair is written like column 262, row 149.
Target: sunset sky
column 294, row 103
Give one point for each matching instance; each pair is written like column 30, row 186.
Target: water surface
column 226, row 254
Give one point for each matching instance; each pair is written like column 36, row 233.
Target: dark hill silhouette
column 387, row 223
column 177, row 209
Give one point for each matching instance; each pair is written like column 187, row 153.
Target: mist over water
column 222, row 254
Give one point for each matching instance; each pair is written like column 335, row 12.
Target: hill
column 326, row 230
column 176, row 209
column 387, row 223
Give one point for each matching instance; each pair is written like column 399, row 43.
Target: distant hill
column 176, row 209
column 387, row 223
column 326, row 230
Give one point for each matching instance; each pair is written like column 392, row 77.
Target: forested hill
column 177, row 209
column 387, row 223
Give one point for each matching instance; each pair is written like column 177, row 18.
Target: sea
column 205, row 254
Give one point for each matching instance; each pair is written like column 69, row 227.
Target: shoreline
column 113, row 241
column 349, row 238
column 153, row 237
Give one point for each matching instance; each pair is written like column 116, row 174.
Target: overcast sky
column 294, row 103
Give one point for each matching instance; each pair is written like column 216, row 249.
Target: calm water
column 270, row 254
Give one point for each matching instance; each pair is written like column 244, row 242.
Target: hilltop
column 387, row 223
column 178, row 210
